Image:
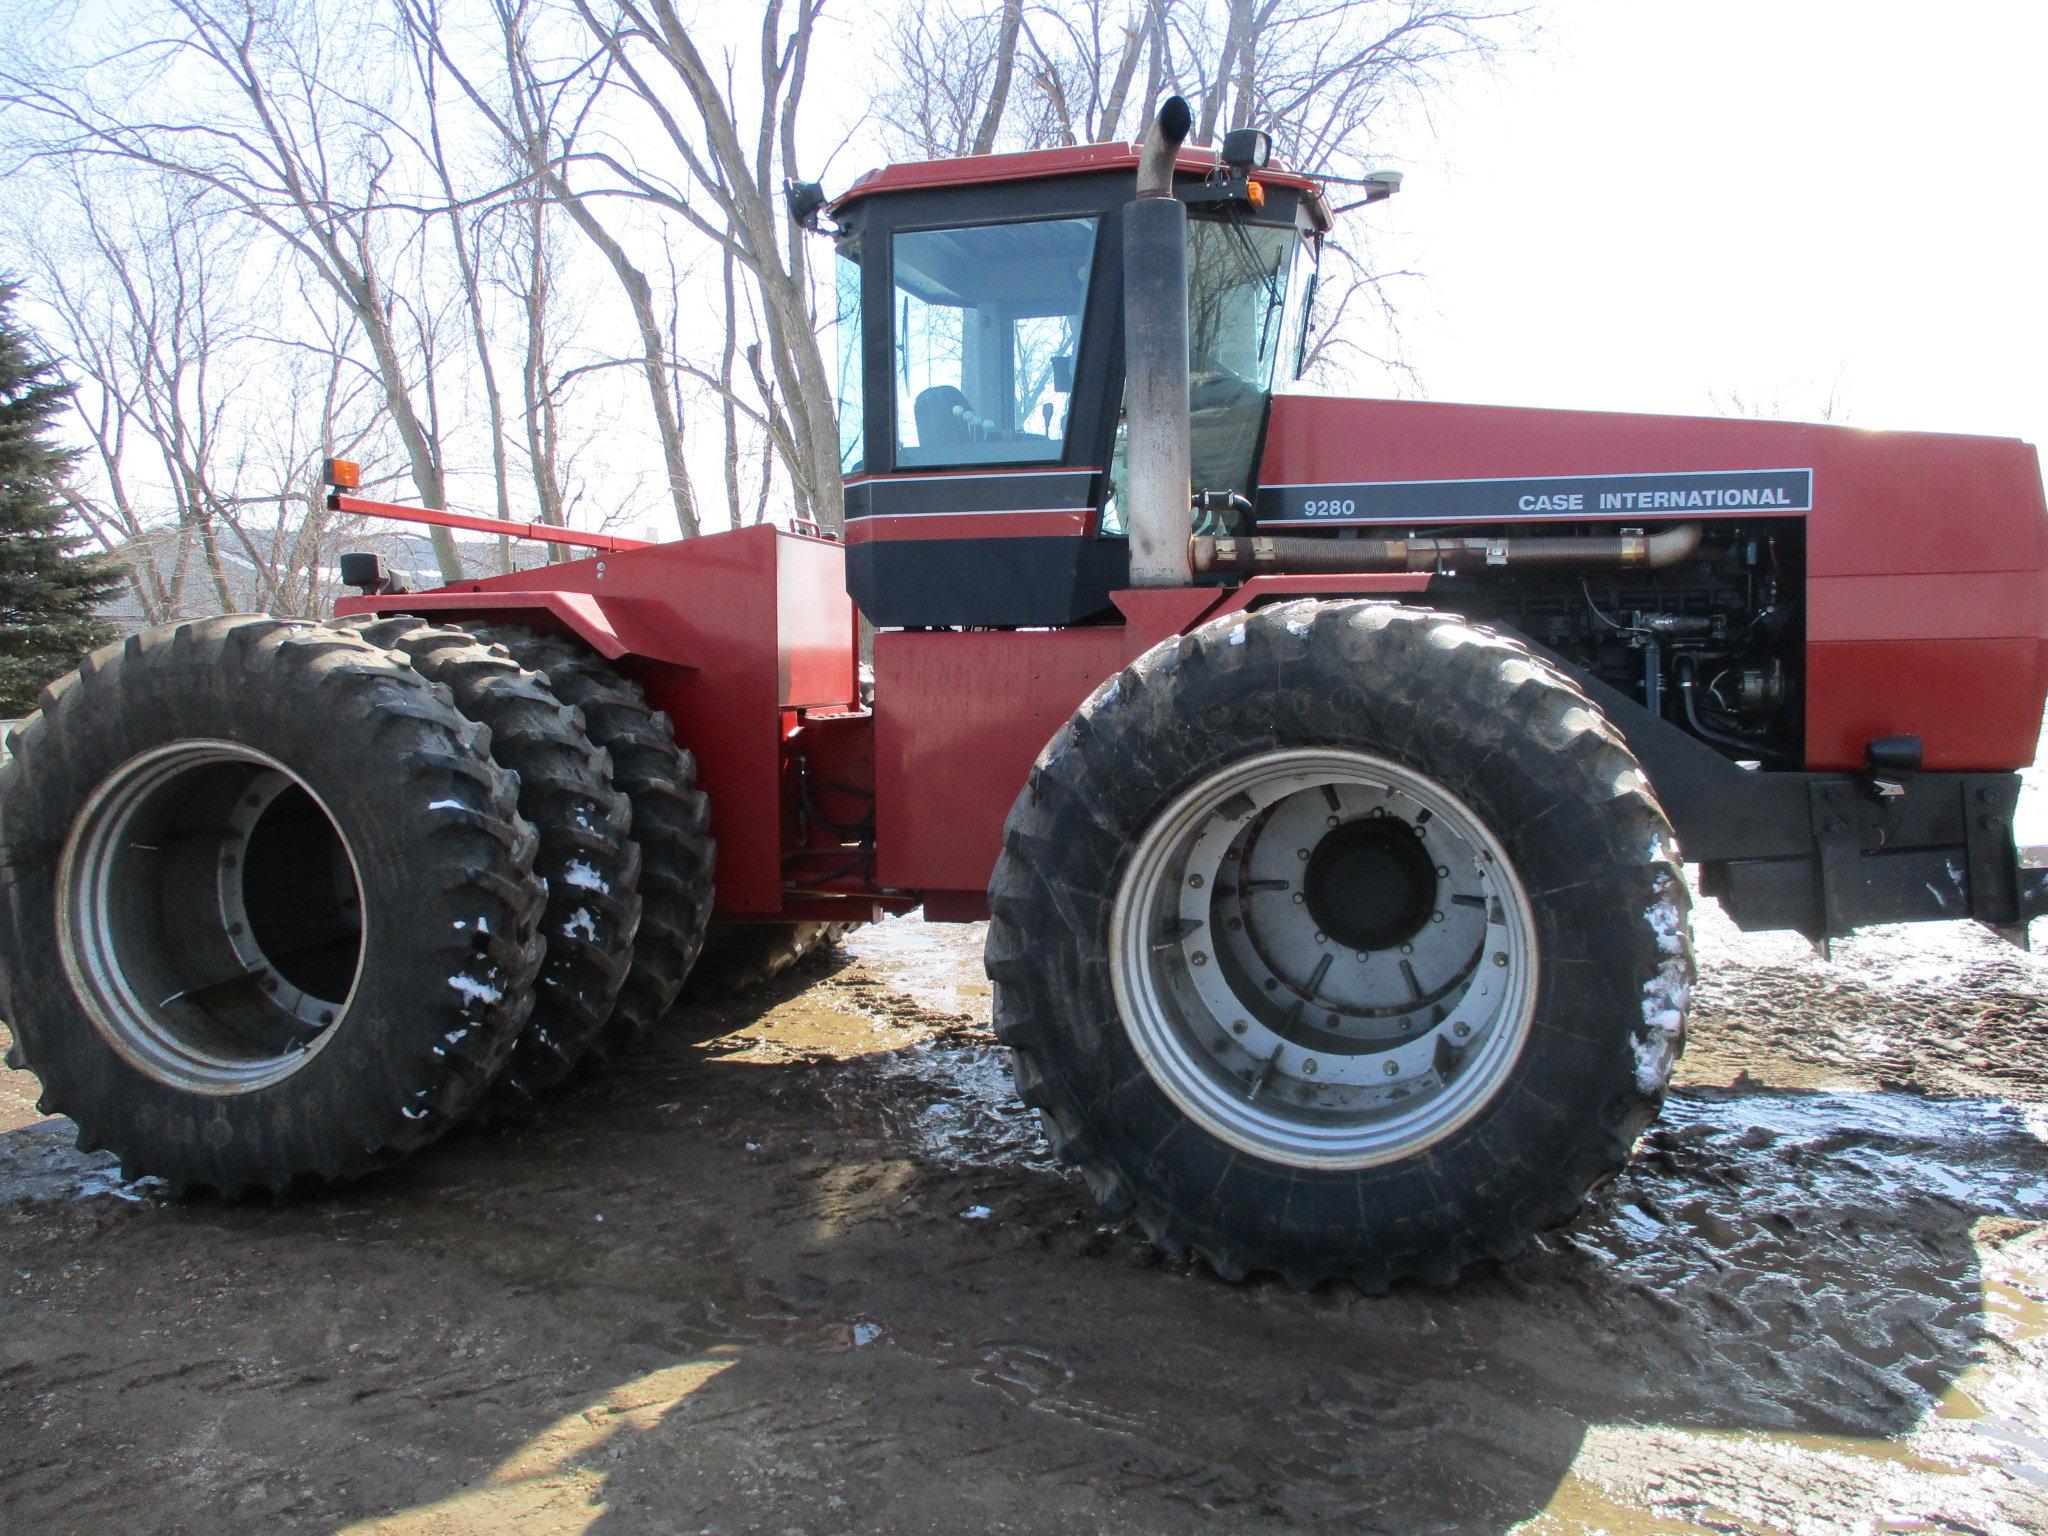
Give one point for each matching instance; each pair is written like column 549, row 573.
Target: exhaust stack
column 1156, row 359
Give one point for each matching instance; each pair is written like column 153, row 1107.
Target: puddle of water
column 1746, row 1181
column 953, row 1100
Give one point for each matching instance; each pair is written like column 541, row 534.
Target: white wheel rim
column 1311, row 1048
column 164, row 948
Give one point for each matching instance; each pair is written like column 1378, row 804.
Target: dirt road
column 818, row 1276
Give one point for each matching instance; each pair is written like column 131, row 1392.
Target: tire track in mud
column 1805, row 1303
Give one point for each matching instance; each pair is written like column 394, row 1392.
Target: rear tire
column 590, row 865
column 671, row 822
column 1340, row 940
column 271, row 910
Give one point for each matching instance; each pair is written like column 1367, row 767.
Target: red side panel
column 728, row 633
column 961, row 717
column 1927, row 554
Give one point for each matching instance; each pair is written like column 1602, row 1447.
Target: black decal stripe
column 1062, row 491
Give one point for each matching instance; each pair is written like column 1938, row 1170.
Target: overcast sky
column 1777, row 200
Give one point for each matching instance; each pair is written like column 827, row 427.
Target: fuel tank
column 1926, row 554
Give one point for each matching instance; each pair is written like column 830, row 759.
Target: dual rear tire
column 287, row 901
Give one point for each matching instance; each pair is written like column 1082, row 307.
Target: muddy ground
column 818, row 1275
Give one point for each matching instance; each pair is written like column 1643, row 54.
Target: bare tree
column 1096, row 67
column 245, row 100
column 540, row 117
column 949, row 81
column 733, row 161
column 203, row 430
column 1327, row 78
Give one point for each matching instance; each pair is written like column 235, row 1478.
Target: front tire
column 1340, row 940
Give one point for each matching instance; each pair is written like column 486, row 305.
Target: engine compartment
column 1715, row 646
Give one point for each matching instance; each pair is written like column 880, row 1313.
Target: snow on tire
column 671, row 822
column 589, row 862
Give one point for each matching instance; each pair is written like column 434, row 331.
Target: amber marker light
column 343, row 474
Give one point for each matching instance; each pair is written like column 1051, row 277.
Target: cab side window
column 987, row 322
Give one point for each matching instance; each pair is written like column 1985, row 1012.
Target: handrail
column 540, row 533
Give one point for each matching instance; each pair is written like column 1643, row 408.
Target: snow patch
column 1236, row 635
column 446, row 805
column 976, row 1213
column 108, row 1181
column 580, row 926
column 475, row 991
column 1297, row 626
column 584, row 878
column 865, row 1334
column 1668, row 923
column 1665, row 997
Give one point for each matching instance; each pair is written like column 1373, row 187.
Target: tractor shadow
column 754, row 1283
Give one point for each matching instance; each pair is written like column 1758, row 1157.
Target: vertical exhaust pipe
column 1156, row 359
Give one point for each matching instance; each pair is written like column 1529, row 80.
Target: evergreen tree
column 48, row 590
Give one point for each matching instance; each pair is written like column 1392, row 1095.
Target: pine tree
column 48, row 589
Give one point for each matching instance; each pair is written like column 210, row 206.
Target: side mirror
column 1063, row 373
column 805, row 201
column 1247, row 149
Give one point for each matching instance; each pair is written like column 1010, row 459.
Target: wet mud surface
column 802, row 1264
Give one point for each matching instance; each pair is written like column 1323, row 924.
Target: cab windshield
column 1237, row 325
column 1245, row 312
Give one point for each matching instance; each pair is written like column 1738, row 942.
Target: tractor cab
column 981, row 356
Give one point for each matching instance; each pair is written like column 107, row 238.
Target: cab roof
column 1046, row 164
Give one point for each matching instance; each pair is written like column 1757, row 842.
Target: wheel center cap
column 1370, row 884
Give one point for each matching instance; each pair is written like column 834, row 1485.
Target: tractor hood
column 1926, row 554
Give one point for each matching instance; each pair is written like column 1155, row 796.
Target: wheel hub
column 1324, row 957
column 1369, row 883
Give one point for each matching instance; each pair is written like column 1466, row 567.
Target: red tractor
column 1322, row 766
